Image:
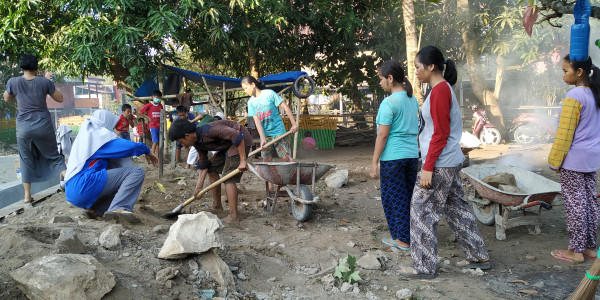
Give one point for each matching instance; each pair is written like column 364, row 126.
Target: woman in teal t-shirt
column 396, row 151
column 263, row 106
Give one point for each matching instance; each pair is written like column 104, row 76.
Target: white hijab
column 96, row 131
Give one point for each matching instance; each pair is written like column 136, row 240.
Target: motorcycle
column 529, row 128
column 483, row 129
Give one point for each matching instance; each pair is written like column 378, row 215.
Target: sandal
column 91, row 214
column 411, row 274
column 464, row 264
column 121, row 215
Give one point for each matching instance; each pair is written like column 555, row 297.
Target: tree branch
column 564, row 7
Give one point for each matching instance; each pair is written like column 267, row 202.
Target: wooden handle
column 232, row 173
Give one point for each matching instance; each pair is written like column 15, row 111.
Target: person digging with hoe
column 232, row 142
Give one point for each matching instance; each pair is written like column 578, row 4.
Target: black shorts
column 225, row 165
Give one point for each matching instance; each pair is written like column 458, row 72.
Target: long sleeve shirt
column 442, row 129
column 83, row 189
column 576, row 146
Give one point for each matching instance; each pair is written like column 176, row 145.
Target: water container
column 18, row 172
column 580, row 31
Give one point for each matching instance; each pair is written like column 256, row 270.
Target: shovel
column 172, row 214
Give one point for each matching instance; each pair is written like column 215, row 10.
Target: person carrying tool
column 232, row 141
column 263, row 106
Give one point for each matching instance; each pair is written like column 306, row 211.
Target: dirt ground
column 276, row 257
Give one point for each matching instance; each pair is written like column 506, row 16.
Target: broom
column 586, row 290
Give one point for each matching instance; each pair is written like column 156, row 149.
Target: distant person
column 100, row 177
column 263, row 106
column 438, row 190
column 220, row 116
column 184, row 114
column 231, row 141
column 309, row 143
column 153, row 110
column 396, row 153
column 575, row 155
column 38, row 151
column 125, row 121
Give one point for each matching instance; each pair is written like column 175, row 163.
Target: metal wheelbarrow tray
column 492, row 205
column 299, row 173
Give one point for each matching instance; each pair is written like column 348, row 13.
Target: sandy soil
column 274, row 256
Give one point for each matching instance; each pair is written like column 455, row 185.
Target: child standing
column 183, row 113
column 438, row 191
column 152, row 110
column 263, row 106
column 125, row 121
column 396, row 151
column 575, row 155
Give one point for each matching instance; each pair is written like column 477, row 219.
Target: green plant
column 346, row 270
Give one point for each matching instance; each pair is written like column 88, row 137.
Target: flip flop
column 483, row 265
column 393, row 244
column 558, row 255
column 411, row 275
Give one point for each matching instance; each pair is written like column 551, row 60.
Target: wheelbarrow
column 492, row 205
column 281, row 174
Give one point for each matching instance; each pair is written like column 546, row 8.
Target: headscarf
column 96, row 131
column 220, row 115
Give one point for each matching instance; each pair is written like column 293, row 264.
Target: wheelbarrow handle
column 269, row 143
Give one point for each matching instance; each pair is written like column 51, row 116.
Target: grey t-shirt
column 31, row 96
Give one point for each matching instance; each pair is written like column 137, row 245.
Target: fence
column 8, row 131
column 322, row 128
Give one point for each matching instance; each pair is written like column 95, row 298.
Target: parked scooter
column 529, row 128
column 483, row 129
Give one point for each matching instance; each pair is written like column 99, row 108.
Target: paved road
column 11, row 188
column 7, row 168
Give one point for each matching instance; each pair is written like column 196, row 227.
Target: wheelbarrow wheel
column 302, row 211
column 486, row 214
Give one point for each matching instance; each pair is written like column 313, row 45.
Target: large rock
column 337, row 179
column 219, row 272
column 64, row 276
column 191, row 234
column 111, row 238
column 69, row 242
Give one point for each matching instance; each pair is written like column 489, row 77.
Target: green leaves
column 346, row 270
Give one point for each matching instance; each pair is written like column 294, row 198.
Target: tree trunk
column 408, row 11
column 252, row 55
column 477, row 78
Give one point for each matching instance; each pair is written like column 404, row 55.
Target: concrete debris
column 111, row 238
column 219, row 272
column 69, row 242
column 61, row 219
column 345, row 287
column 192, row 234
column 64, row 276
column 337, row 179
column 369, row 262
column 160, row 229
column 404, row 294
column 166, row 274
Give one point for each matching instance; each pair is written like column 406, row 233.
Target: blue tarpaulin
column 217, row 81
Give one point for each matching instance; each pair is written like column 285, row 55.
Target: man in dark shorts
column 232, row 142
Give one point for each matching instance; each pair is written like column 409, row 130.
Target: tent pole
column 297, row 124
column 161, row 135
column 224, row 100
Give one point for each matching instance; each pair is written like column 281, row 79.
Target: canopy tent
column 172, row 82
